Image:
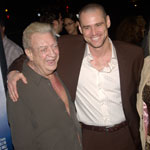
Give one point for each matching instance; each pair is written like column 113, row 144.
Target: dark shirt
column 39, row 120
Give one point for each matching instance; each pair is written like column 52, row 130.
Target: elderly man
column 44, row 117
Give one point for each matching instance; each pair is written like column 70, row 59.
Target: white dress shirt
column 98, row 98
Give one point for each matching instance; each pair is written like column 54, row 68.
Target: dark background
column 24, row 12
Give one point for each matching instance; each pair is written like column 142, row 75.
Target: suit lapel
column 122, row 64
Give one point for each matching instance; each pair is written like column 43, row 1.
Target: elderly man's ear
column 29, row 54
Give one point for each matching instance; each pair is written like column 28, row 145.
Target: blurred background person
column 53, row 16
column 12, row 50
column 146, row 40
column 131, row 29
column 143, row 96
column 71, row 23
column 143, row 104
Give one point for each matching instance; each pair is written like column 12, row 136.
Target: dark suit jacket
column 130, row 60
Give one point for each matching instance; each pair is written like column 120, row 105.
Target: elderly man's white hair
column 35, row 27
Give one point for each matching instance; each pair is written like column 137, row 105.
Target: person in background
column 146, row 40
column 11, row 49
column 71, row 23
column 103, row 78
column 131, row 29
column 44, row 117
column 52, row 16
column 143, row 98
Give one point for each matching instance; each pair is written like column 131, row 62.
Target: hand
column 12, row 79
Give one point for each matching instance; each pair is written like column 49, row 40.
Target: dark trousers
column 117, row 140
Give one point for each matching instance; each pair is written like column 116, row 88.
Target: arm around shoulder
column 17, row 63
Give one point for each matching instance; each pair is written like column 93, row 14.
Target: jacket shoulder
column 70, row 39
column 129, row 48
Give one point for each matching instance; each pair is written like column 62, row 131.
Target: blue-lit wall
column 5, row 137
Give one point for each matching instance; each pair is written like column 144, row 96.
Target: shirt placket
column 103, row 99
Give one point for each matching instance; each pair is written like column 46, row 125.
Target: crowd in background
column 14, row 31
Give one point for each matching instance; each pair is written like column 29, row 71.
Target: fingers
column 11, row 90
column 22, row 77
column 13, row 77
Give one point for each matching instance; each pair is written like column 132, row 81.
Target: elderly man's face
column 44, row 53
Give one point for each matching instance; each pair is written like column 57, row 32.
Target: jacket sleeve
column 17, row 63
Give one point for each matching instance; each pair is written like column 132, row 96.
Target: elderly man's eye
column 43, row 50
column 54, row 46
